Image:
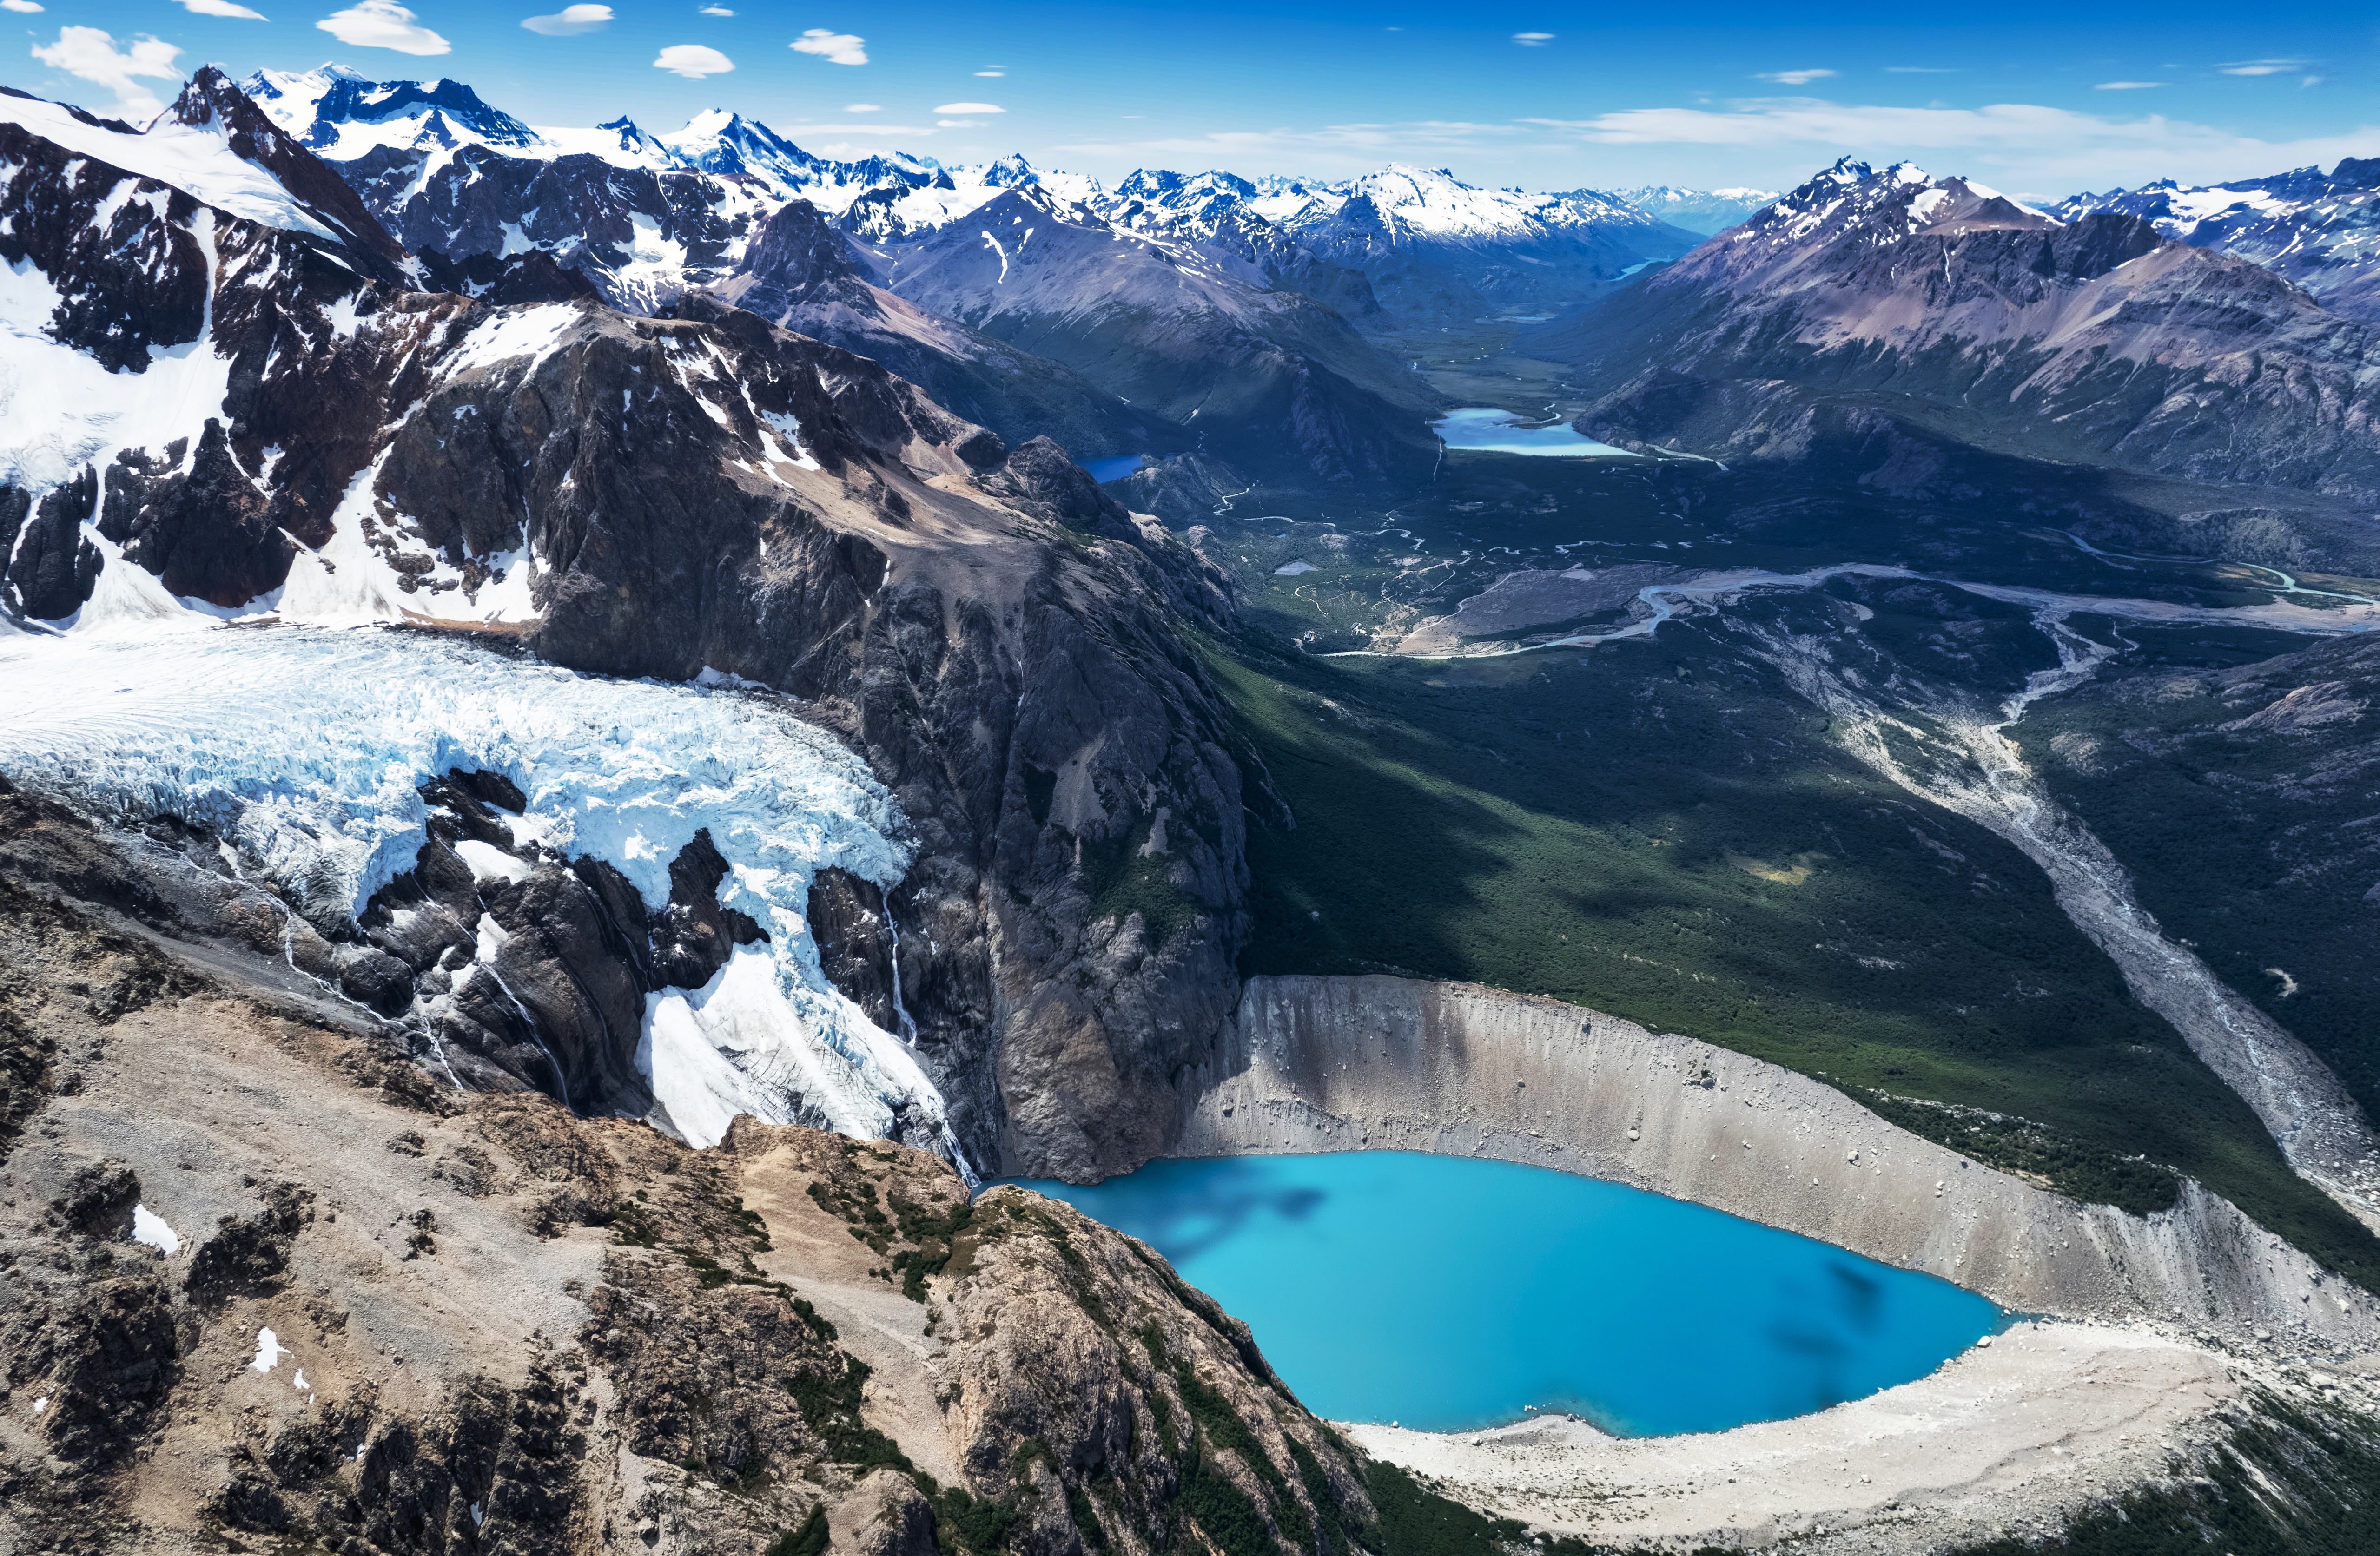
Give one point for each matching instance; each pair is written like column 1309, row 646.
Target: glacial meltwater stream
column 1450, row 1293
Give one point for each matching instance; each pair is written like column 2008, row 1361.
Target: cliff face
column 264, row 1280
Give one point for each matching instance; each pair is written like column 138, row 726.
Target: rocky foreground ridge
column 265, row 1284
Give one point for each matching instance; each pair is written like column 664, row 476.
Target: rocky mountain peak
column 2322, row 230
column 1851, row 208
column 797, row 255
column 209, row 101
column 1010, row 172
column 323, row 108
column 728, row 144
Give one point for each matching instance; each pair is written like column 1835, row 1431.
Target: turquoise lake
column 1448, row 1293
column 1483, row 428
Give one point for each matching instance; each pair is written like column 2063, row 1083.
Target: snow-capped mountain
column 647, row 219
column 1265, row 378
column 2097, row 340
column 2322, row 230
column 906, row 210
column 213, row 416
column 1702, row 210
column 1431, row 245
column 339, row 114
column 343, row 118
column 213, row 142
column 799, row 272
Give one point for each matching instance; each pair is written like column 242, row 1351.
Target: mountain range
column 587, row 761
column 2322, row 230
column 1946, row 305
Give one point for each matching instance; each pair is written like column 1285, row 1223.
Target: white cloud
column 2126, row 86
column 1794, row 77
column 383, row 24
column 1526, row 39
column 863, row 107
column 992, row 72
column 217, row 8
column 2017, row 145
column 693, row 61
column 970, row 108
column 717, row 11
column 1334, row 149
column 959, row 124
column 28, row 6
column 2262, row 68
column 569, row 21
column 835, row 48
column 90, row 54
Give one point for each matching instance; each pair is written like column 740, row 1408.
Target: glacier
column 302, row 747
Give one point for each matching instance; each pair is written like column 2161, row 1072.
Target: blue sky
column 2035, row 98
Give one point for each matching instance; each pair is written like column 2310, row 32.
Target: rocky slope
column 1270, row 381
column 2259, row 776
column 800, row 274
column 659, row 497
column 1867, row 293
column 1218, row 210
column 2322, row 230
column 264, row 1283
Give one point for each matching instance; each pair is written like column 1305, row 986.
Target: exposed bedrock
column 1347, row 1064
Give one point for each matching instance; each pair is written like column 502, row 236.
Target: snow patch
column 488, row 862
column 269, row 1350
column 61, row 410
column 150, row 1227
column 533, row 332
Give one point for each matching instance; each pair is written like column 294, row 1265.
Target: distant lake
column 1116, row 468
column 1448, row 1293
column 1487, row 430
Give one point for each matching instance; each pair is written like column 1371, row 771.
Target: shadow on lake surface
column 1450, row 1293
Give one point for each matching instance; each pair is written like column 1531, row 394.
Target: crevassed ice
column 303, row 747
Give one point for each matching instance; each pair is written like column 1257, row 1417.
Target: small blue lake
column 1449, row 1292
column 1483, row 428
